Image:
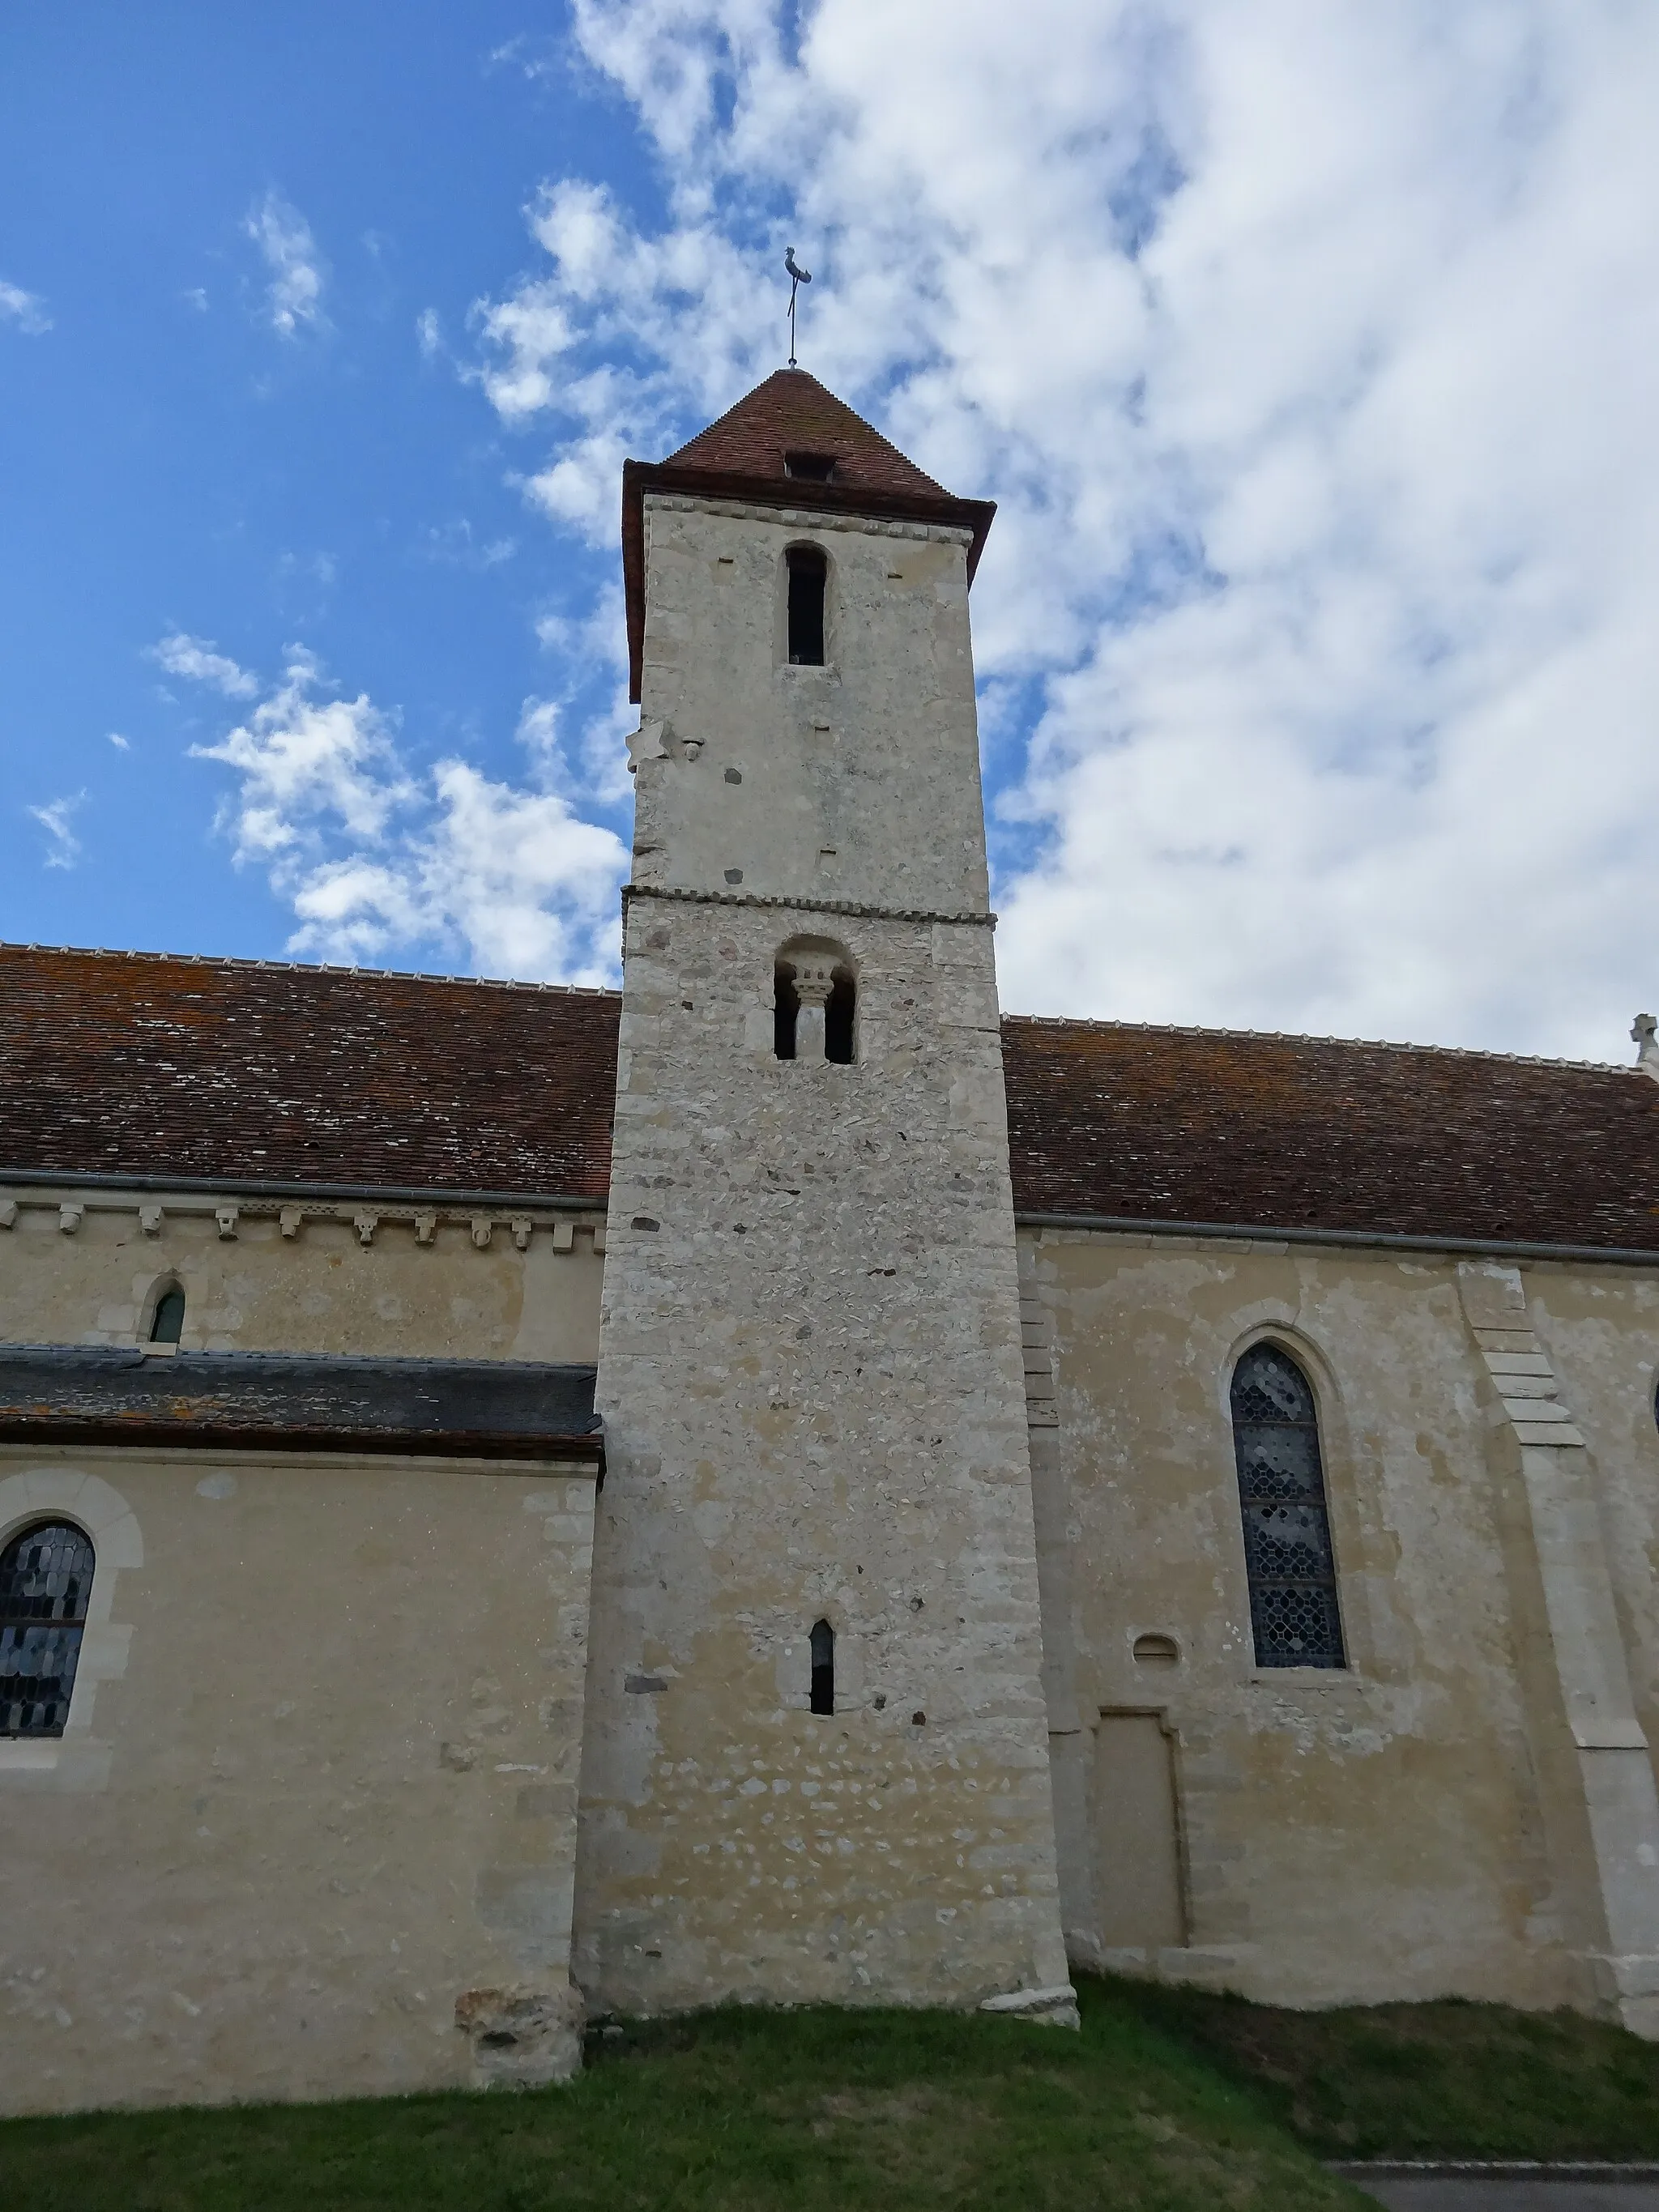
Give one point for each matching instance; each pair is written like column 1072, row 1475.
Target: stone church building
column 785, row 1484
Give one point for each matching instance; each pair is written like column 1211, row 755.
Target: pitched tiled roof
column 792, row 413
column 742, row 457
column 224, row 1070
column 103, row 1394
column 147, row 1064
column 1317, row 1132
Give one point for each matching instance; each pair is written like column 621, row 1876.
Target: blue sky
column 173, row 463
column 1306, row 349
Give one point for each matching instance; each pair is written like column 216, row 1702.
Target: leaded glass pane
column 1287, row 1536
column 45, row 1581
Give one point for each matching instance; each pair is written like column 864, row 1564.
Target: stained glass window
column 1287, row 1535
column 46, row 1580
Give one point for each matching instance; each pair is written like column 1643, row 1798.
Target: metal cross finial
column 798, row 276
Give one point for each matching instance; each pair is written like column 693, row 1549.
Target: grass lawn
column 1425, row 2081
column 1169, row 2102
column 734, row 2111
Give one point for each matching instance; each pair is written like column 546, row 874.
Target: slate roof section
column 742, row 457
column 453, row 1408
column 152, row 1065
column 1313, row 1132
column 224, row 1070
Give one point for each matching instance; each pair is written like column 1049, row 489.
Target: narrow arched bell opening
column 824, row 1668
column 809, row 573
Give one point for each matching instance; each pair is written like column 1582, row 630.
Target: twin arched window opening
column 815, row 1002
column 1287, row 1535
column 45, row 1584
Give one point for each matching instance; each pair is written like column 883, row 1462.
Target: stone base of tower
column 812, row 1375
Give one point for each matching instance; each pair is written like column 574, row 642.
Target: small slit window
column 46, row 1582
column 1287, row 1536
column 824, row 1668
column 809, row 572
column 168, row 1325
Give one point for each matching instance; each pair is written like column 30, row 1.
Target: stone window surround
column 1270, row 1321
column 77, row 1760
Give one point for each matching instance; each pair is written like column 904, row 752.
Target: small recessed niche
column 1156, row 1649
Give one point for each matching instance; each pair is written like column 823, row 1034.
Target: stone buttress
column 810, row 1366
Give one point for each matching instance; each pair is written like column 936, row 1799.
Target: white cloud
column 64, row 849
column 198, row 662
column 428, row 334
column 1306, row 351
column 379, row 860
column 294, row 297
column 27, row 309
column 121, row 744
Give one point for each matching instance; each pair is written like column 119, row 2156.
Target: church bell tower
column 816, row 1764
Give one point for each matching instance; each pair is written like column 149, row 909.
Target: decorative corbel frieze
column 150, row 1217
column 226, row 1217
column 482, row 1226
column 564, row 1235
column 521, row 1227
column 8, row 1213
column 365, row 1224
column 291, row 1219
column 426, row 1226
column 70, row 1217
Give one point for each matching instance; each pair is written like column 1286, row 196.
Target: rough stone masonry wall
column 810, row 1376
column 310, row 1831
column 1422, row 1822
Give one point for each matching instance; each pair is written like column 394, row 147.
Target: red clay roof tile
column 792, row 413
column 1318, row 1133
column 151, row 1065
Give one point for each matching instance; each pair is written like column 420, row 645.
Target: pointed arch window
column 168, row 1325
column 46, row 1582
column 1287, row 1535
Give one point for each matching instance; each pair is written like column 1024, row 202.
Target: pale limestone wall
column 860, row 778
column 810, row 1375
column 318, row 1781
column 1434, row 1818
column 810, row 1367
column 84, row 1266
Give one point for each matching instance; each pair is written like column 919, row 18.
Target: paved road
column 1459, row 2194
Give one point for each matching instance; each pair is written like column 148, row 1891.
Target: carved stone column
column 814, row 981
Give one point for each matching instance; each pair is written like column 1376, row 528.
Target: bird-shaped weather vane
column 798, row 276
